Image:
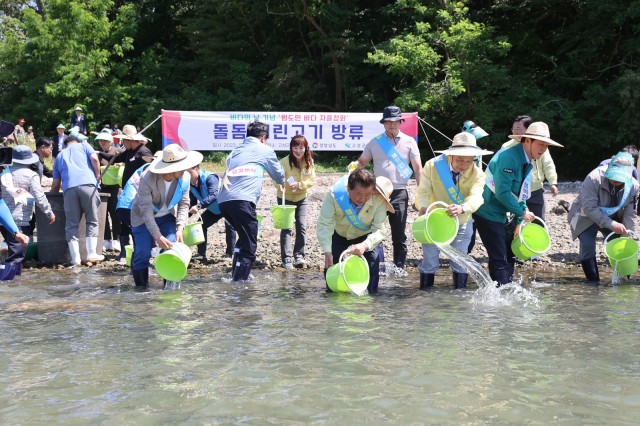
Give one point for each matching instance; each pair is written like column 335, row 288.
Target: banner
column 223, row 131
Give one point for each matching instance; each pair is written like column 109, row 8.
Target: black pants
column 111, row 230
column 398, row 223
column 16, row 251
column 494, row 238
column 242, row 216
column 340, row 244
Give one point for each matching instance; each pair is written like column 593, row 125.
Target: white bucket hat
column 385, row 188
column 175, row 159
column 464, row 144
column 538, row 131
column 129, row 132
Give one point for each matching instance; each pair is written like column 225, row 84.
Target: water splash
column 469, row 264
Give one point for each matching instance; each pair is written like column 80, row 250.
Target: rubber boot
column 74, row 251
column 141, row 277
column 426, row 281
column 590, row 268
column 234, row 260
column 92, row 245
column 502, row 277
column 124, row 241
column 460, row 280
column 242, row 271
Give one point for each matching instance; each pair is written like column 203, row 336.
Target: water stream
column 85, row 348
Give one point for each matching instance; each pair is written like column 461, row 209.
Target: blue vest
column 181, row 189
column 202, row 192
column 131, row 188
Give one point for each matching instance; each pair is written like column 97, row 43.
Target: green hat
column 620, row 168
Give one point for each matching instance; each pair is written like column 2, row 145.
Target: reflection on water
column 84, row 348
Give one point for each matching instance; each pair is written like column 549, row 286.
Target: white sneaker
column 106, row 245
column 115, row 245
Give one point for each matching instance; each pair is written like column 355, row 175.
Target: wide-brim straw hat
column 175, row 159
column 464, row 144
column 538, row 131
column 129, row 132
column 104, row 135
column 385, row 187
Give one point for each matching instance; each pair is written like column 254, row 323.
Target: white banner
column 223, row 131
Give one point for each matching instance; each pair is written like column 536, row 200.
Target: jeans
column 398, row 223
column 431, row 252
column 301, row 232
column 144, row 240
column 588, row 241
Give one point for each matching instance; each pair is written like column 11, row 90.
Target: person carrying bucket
column 353, row 217
column 605, row 204
column 135, row 155
column 455, row 180
column 161, row 206
column 507, row 188
column 394, row 154
column 203, row 194
column 241, row 186
column 300, row 173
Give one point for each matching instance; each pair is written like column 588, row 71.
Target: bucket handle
column 435, row 203
column 196, row 217
column 525, row 223
column 341, row 265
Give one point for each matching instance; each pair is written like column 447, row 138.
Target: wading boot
column 426, row 281
column 141, row 277
column 590, row 268
column 460, row 280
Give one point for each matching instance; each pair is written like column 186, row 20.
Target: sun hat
column 78, row 108
column 620, row 168
column 61, row 126
column 471, row 127
column 385, row 188
column 6, row 128
column 538, row 131
column 391, row 113
column 104, row 135
column 464, row 144
column 130, row 133
column 175, row 159
column 75, row 131
column 22, row 155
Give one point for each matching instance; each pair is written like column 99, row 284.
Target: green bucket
column 622, row 254
column 113, row 176
column 31, row 253
column 350, row 275
column 172, row 264
column 128, row 250
column 193, row 234
column 436, row 226
column 533, row 240
column 283, row 216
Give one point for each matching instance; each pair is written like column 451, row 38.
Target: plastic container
column 622, row 254
column 350, row 275
column 128, row 250
column 193, row 234
column 113, row 176
column 172, row 264
column 283, row 216
column 436, row 226
column 533, row 240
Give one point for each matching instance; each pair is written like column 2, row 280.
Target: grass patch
column 326, row 162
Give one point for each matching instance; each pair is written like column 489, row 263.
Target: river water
column 85, row 348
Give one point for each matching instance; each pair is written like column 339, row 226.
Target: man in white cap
column 78, row 119
column 454, row 179
column 58, row 140
column 392, row 153
column 507, row 188
column 353, row 217
column 605, row 204
column 161, row 206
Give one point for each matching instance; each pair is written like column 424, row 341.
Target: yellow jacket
column 332, row 218
column 307, row 179
column 470, row 185
column 542, row 168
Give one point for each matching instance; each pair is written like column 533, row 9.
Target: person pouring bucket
column 454, row 180
column 161, row 206
column 353, row 217
column 605, row 204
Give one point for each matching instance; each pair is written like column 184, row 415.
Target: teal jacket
column 509, row 168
